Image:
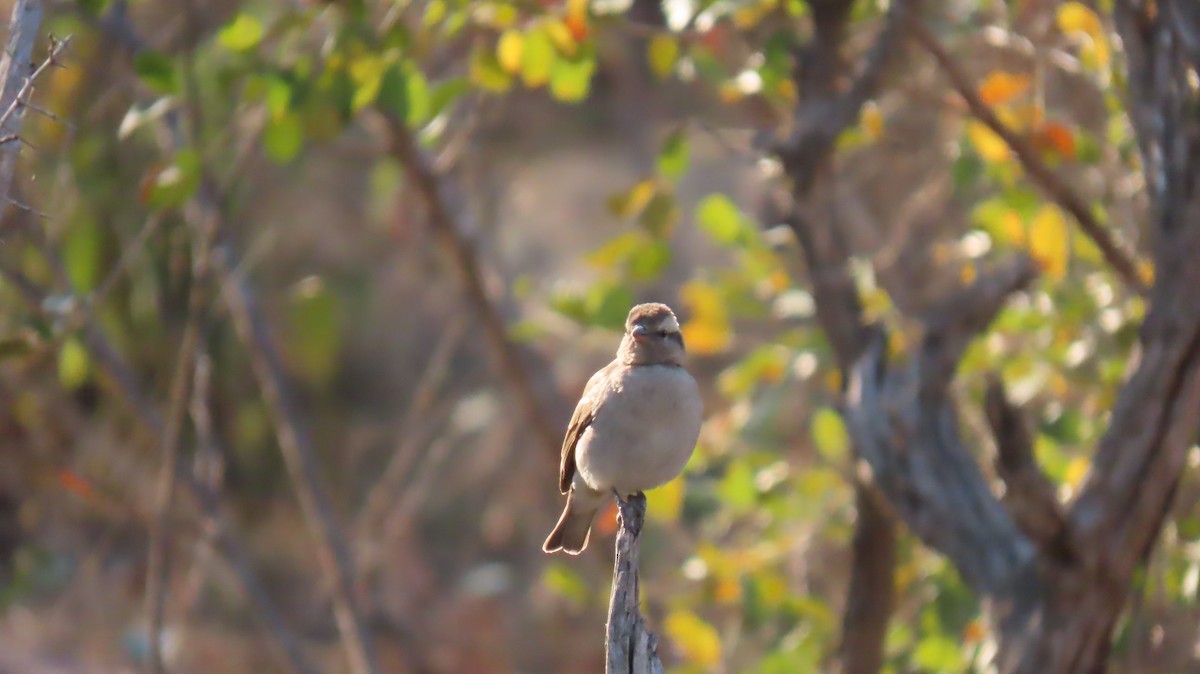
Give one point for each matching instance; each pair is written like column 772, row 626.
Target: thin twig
column 1116, row 253
column 383, row 492
column 450, row 233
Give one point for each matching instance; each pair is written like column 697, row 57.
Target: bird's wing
column 585, row 412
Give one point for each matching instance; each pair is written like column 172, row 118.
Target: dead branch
column 629, row 647
column 1116, row 253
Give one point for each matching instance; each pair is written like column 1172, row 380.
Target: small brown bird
column 634, row 428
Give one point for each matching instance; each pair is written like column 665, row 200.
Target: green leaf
column 445, row 92
column 16, row 346
column 720, row 219
column 938, row 653
column 405, row 92
column 242, row 34
column 175, row 184
column 673, row 159
column 649, row 260
column 315, row 321
column 486, row 73
column 662, row 53
column 829, row 434
column 74, row 365
column 570, row 79
column 660, row 215
column 283, row 137
column 737, row 488
column 157, row 71
column 608, row 303
column 81, row 254
column 537, row 61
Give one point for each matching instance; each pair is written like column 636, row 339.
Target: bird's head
column 652, row 336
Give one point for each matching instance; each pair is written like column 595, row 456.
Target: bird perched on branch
column 634, row 428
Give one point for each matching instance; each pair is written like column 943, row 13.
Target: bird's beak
column 640, row 332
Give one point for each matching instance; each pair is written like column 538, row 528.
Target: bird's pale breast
column 643, row 432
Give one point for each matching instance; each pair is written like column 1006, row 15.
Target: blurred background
column 347, row 265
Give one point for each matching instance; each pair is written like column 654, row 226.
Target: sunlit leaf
column 509, row 49
column 405, row 92
column 991, row 147
column 283, row 137
column 720, row 219
column 937, row 653
column 662, row 53
column 1077, row 18
column 649, row 260
column 631, row 203
column 1048, row 241
column 74, row 365
column 695, row 638
column 1001, row 86
column 571, row 78
column 708, row 330
column 538, row 58
column 673, row 158
column 243, row 33
column 829, row 434
column 486, row 72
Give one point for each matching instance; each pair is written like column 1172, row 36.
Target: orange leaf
column 606, row 523
column 1001, row 86
column 1056, row 137
column 76, row 484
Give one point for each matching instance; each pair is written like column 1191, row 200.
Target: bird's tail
column 574, row 526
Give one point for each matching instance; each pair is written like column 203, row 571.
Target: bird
column 635, row 426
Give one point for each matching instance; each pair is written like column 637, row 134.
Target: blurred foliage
column 750, row 570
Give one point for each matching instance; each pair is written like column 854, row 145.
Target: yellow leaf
column 991, row 147
column 698, row 640
column 1001, row 86
column 1077, row 469
column 509, row 49
column 1075, row 17
column 1048, row 241
column 662, row 53
column 1146, row 271
column 1014, row 227
column 728, row 591
column 561, row 36
column 708, row 331
column 664, row 503
column 1078, row 17
column 631, row 203
column 872, row 120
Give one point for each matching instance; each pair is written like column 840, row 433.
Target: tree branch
column 629, row 647
column 15, row 67
column 1117, row 254
column 450, row 234
column 1029, row 495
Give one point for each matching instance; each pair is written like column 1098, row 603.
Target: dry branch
column 629, row 647
column 1117, row 254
